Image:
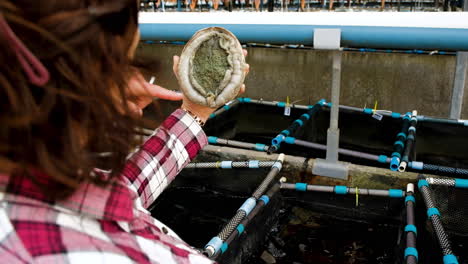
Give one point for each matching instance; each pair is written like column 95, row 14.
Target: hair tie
column 32, row 66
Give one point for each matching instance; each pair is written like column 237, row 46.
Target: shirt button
column 164, row 229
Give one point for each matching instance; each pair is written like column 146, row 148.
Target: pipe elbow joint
column 278, row 139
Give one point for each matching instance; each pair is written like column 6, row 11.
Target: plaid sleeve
column 157, row 162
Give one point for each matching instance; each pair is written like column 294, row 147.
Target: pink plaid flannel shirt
column 103, row 225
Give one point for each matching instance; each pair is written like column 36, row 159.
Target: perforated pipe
column 249, row 164
column 261, row 203
column 434, row 215
column 216, row 243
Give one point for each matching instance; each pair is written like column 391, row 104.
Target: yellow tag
column 375, row 106
column 357, row 197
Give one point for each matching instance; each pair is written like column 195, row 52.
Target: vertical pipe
column 459, row 84
column 333, row 133
column 410, row 229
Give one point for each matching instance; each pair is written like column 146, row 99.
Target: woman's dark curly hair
column 60, row 128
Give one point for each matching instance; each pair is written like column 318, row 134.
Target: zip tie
column 411, row 228
column 240, row 228
column 432, row 211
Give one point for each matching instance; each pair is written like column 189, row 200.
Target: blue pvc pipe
column 450, row 39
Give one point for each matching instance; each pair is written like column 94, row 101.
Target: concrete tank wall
column 399, row 82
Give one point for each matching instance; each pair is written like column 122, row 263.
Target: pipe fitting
column 394, row 164
column 402, row 166
column 278, row 139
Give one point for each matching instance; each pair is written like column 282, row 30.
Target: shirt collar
column 112, row 202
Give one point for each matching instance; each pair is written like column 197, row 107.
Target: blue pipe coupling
column 278, row 139
column 394, row 163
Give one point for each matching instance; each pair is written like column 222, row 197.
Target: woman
column 67, row 92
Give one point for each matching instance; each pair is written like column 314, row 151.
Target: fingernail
column 152, row 80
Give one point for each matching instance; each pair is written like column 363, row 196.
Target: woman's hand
column 141, row 93
column 203, row 112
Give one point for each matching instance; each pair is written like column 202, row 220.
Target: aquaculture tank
column 298, row 177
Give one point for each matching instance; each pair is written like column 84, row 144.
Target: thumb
column 163, row 93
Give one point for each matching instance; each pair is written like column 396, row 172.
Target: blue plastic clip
column 285, row 132
column 301, row 186
column 401, row 134
column 240, row 99
column 322, row 101
column 382, row 159
column 398, row 142
column 212, row 140
column 260, row 147
column 306, row 116
column 410, row 198
column 254, row 164
column 281, row 104
column 396, row 154
column 240, row 228
column 247, row 100
column 411, row 251
column 411, row 228
column 395, row 193
column 226, row 164
column 368, row 111
column 450, row 259
column 340, row 189
column 226, row 107
column 265, row 199
column 299, row 122
column 422, row 183
column 290, row 140
column 248, row 205
column 417, row 165
column 212, row 115
column 432, row 211
column 396, row 115
column 330, row 104
column 224, row 247
column 461, row 183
